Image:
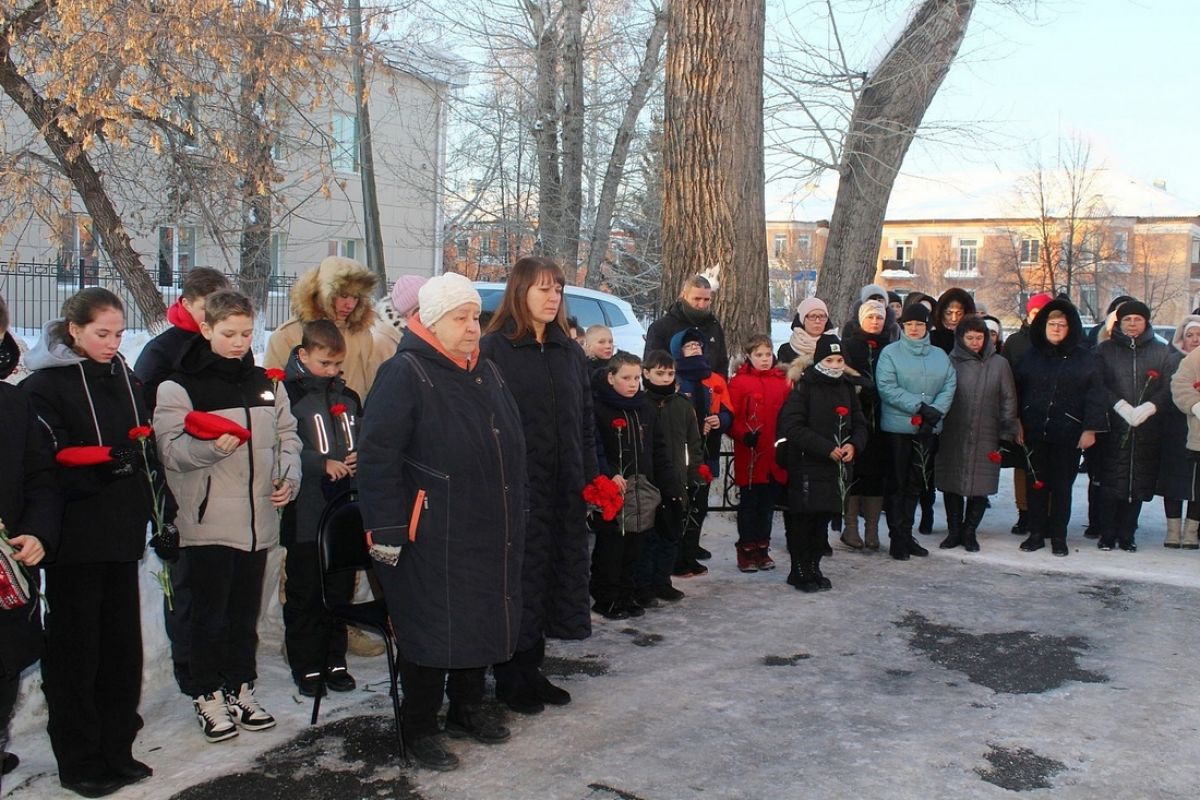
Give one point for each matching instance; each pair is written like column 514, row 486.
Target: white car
column 589, row 307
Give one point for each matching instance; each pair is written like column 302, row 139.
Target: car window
column 586, row 310
column 616, row 317
column 491, row 298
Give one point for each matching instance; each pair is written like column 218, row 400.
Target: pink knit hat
column 404, row 293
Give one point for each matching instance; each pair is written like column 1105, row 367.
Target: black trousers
column 1118, row 517
column 808, row 534
column 1055, row 467
column 92, row 667
column 521, row 672
column 661, row 547
column 226, row 596
column 697, row 511
column 315, row 640
column 756, row 512
column 178, row 623
column 614, row 557
column 424, row 687
column 9, row 684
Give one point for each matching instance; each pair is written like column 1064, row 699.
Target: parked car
column 588, row 306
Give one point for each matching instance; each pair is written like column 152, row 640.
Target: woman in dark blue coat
column 439, row 466
column 545, row 370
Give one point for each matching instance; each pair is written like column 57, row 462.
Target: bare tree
column 713, row 158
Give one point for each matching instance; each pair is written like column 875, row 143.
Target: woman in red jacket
column 757, row 393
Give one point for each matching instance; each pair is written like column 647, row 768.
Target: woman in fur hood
column 339, row 289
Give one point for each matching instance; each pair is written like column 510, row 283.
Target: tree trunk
column 255, row 270
column 545, row 134
column 713, row 207
column 886, row 117
column 602, row 225
column 371, row 225
column 85, row 180
column 571, row 199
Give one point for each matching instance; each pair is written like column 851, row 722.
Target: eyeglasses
column 1057, row 325
column 817, row 315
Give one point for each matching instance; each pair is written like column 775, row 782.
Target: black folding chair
column 342, row 547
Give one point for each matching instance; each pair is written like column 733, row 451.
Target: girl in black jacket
column 824, row 426
column 86, row 395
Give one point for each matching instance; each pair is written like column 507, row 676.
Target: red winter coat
column 756, row 397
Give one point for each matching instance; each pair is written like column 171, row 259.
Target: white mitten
column 1123, row 408
column 1142, row 413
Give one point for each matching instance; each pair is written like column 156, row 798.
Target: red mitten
column 84, row 456
column 207, row 427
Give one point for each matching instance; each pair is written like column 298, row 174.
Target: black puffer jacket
column 940, row 335
column 871, row 464
column 85, row 402
column 639, row 447
column 550, row 384
column 160, row 357
column 1059, row 393
column 440, row 470
column 661, row 331
column 809, row 421
column 29, row 504
column 1128, row 464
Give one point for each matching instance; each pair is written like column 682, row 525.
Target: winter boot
column 746, row 561
column 1174, row 533
column 1036, row 541
column 927, row 498
column 850, row 536
column 1058, row 546
column 1126, row 541
column 871, row 507
column 762, row 556
column 1022, row 526
column 976, row 506
column 910, row 511
column 898, row 544
column 823, row 583
column 954, row 521
column 806, row 580
column 1191, row 535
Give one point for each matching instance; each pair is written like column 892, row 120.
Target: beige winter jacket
column 1187, row 396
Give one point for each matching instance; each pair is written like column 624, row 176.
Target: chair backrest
column 341, row 540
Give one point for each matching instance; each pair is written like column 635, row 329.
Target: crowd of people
column 518, row 480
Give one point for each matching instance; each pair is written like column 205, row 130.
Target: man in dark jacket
column 30, row 508
column 692, row 310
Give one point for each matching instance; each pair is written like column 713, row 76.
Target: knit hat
column 827, row 345
column 1037, row 302
column 872, row 290
column 993, row 324
column 441, row 295
column 894, row 297
column 809, row 305
column 691, row 335
column 1131, row 308
column 404, row 293
column 916, row 312
column 870, row 307
column 1116, row 303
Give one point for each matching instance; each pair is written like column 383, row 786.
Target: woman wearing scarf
column 811, row 320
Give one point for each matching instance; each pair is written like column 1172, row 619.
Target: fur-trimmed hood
column 314, row 292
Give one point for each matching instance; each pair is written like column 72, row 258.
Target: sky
column 1119, row 73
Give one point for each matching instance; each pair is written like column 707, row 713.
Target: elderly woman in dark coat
column 984, row 413
column 439, row 466
column 1136, row 370
column 546, row 372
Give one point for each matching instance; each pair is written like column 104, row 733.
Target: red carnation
column 1039, row 484
column 620, row 424
column 705, row 473
column 337, row 409
column 276, row 374
column 141, row 433
column 207, row 427
column 842, row 411
column 84, row 456
column 871, row 343
column 995, row 457
column 602, row 494
column 1153, row 374
column 917, row 420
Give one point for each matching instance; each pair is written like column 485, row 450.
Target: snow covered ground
column 955, row 676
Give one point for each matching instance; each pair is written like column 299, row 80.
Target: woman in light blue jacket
column 916, row 386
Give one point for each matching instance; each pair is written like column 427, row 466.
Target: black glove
column 750, row 438
column 126, row 460
column 930, row 414
column 166, row 544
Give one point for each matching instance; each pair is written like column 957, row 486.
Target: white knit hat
column 441, row 295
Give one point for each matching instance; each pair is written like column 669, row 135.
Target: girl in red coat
column 757, row 392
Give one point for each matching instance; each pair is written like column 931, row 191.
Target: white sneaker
column 245, row 710
column 213, row 716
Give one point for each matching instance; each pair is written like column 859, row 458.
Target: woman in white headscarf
column 811, row 320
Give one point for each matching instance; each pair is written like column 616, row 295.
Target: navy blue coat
column 551, row 385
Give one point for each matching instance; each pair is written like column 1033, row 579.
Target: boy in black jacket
column 677, row 420
column 327, row 415
column 631, row 450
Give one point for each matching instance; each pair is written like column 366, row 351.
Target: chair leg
column 395, row 692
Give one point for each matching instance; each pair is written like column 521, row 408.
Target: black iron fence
column 35, row 291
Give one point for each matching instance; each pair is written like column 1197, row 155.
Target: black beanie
column 827, row 345
column 894, row 298
column 1131, row 307
column 915, row 312
column 1116, row 303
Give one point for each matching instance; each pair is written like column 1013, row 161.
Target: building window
column 183, row 114
column 79, row 251
column 968, row 256
column 345, row 143
column 1088, row 297
column 502, row 251
column 1195, row 252
column 176, row 252
column 278, row 246
column 348, row 248
column 462, row 246
column 802, row 244
column 780, row 248
column 904, row 252
column 487, row 248
column 1031, row 251
column 1120, row 246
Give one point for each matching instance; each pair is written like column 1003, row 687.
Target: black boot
column 976, row 507
column 893, row 507
column 954, row 521
column 823, row 583
column 806, row 580
column 910, row 512
column 1022, row 526
column 1036, row 541
column 1058, row 546
column 927, row 498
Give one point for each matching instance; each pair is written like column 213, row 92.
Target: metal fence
column 35, row 291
